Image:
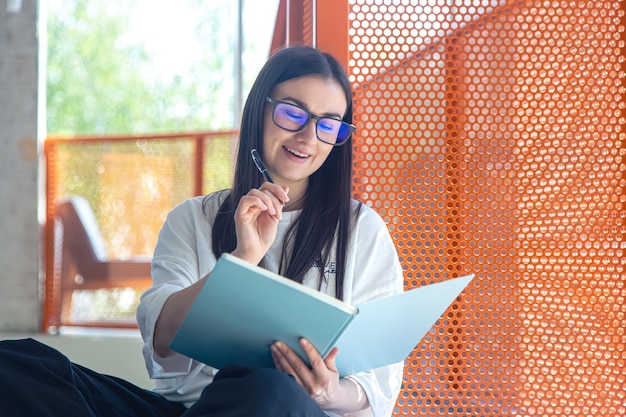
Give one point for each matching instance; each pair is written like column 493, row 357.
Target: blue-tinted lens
column 345, row 130
column 290, row 117
column 327, row 129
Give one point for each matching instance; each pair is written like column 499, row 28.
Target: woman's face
column 291, row 157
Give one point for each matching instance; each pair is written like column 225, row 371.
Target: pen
column 259, row 164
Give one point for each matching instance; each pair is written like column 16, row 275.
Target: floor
column 115, row 353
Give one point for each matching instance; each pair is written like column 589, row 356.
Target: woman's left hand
column 321, row 380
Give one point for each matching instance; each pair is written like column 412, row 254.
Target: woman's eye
column 296, row 115
column 327, row 125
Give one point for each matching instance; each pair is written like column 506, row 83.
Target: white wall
column 19, row 227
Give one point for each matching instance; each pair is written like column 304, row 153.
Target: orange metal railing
column 129, row 183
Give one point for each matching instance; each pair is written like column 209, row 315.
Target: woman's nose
column 308, row 132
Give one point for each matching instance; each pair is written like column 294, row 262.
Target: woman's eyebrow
column 305, row 107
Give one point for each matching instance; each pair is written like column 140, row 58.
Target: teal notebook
column 242, row 309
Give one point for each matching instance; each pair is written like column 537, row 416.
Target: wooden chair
column 81, row 260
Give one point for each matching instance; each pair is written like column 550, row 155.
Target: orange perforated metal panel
column 489, row 137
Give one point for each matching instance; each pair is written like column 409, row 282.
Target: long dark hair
column 327, row 205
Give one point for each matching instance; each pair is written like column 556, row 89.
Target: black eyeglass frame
column 310, row 116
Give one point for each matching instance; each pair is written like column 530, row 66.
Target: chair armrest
column 129, row 272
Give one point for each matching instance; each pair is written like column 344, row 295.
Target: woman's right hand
column 256, row 221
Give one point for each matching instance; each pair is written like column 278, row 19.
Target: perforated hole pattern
column 490, row 140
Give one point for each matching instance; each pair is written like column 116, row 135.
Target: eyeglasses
column 294, row 118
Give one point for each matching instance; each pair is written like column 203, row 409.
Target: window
column 135, row 92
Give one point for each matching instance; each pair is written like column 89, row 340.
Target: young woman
column 303, row 225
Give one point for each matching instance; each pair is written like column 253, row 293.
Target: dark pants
column 38, row 381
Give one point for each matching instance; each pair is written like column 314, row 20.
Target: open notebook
column 242, row 309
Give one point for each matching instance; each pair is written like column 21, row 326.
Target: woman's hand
column 256, row 221
column 321, row 380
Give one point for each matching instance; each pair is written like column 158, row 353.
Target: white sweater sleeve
column 175, row 265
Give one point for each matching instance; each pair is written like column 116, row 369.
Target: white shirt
column 183, row 255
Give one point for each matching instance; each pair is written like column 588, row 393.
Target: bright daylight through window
column 119, row 68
